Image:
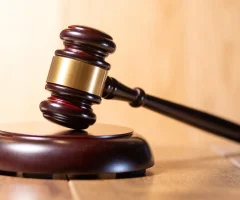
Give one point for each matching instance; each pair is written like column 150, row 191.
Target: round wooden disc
column 44, row 147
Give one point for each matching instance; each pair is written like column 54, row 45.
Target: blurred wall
column 185, row 51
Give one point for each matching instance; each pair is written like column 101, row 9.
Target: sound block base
column 41, row 149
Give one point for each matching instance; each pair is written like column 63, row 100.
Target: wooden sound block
column 46, row 148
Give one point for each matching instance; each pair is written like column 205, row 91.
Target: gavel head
column 77, row 76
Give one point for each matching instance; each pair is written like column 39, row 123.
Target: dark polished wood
column 137, row 97
column 86, row 44
column 44, row 147
column 69, row 107
column 72, row 108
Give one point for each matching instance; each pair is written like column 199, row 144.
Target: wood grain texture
column 12, row 188
column 180, row 173
column 182, row 50
column 186, row 50
column 212, row 56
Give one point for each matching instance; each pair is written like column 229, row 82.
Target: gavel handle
column 137, row 97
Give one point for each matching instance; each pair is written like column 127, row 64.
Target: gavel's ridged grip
column 77, row 75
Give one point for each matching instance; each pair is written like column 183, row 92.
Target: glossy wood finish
column 182, row 170
column 183, row 74
column 70, row 107
column 137, row 97
column 86, row 44
column 64, row 109
column 48, row 148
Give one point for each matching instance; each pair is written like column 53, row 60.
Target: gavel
column 78, row 79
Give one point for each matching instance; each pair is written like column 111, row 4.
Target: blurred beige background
column 187, row 51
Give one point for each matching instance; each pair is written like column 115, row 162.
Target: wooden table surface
column 182, row 170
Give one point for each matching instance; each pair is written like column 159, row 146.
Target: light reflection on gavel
column 78, row 79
